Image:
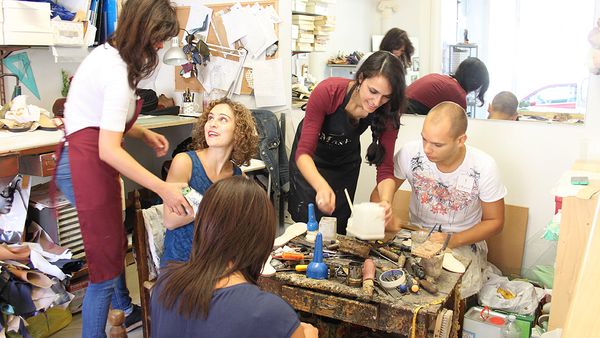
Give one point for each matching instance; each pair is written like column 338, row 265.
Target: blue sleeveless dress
column 178, row 242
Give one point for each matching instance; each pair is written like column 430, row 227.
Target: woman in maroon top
column 326, row 158
column 426, row 92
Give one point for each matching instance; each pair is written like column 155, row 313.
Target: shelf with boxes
column 26, row 23
column 311, row 25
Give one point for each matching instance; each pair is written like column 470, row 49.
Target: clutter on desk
column 346, row 59
column 18, row 116
column 389, row 267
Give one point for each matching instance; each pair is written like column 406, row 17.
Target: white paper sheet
column 269, row 88
column 219, row 73
column 236, row 23
column 199, row 20
column 260, row 32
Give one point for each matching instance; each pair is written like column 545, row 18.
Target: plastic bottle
column 511, row 330
column 312, row 227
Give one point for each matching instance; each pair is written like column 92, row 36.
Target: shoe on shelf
column 134, row 319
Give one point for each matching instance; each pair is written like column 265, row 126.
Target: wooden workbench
column 383, row 312
column 13, row 146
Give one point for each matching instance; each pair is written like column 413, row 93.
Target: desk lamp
column 175, row 56
column 17, row 90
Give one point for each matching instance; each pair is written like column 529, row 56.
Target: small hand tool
column 384, row 257
column 428, row 286
column 297, row 268
column 368, row 275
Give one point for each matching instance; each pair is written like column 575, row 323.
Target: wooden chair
column 142, row 252
column 116, row 318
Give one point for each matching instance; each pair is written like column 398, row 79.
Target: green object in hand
column 579, row 180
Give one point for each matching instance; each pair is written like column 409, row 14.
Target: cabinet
column 575, row 230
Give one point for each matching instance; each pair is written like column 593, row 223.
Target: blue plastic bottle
column 312, row 226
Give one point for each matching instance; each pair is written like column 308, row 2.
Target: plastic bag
column 514, row 296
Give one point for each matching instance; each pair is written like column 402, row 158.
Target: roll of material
column 392, row 278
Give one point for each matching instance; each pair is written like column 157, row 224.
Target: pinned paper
column 20, row 65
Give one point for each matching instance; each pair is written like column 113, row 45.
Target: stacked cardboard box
column 319, row 6
column 324, row 25
column 299, row 5
column 304, row 37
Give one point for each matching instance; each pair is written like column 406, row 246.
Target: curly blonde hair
column 245, row 136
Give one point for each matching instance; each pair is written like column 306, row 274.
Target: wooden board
column 581, row 320
column 575, row 225
column 505, row 249
column 181, row 84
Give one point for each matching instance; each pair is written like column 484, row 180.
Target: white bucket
column 367, row 221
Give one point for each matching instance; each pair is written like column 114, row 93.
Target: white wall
column 532, row 156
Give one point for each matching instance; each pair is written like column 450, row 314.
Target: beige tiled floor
column 74, row 329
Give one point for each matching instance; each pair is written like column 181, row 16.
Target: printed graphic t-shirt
column 450, row 199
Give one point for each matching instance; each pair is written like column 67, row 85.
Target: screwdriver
column 297, row 268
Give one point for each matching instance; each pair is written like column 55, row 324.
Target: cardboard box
column 67, row 33
column 26, row 23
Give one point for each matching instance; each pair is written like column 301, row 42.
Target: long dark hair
column 141, row 25
column 388, row 65
column 395, row 39
column 472, row 75
column 234, row 231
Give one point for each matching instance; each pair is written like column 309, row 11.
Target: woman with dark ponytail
column 326, row 157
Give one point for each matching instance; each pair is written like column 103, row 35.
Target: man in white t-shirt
column 455, row 186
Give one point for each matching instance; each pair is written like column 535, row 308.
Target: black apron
column 337, row 158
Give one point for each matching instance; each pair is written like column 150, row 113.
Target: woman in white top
column 100, row 109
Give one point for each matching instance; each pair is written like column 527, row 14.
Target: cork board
column 183, row 12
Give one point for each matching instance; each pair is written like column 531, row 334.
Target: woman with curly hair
column 223, row 139
column 326, row 157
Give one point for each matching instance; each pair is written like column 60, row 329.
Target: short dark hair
column 472, row 75
column 389, row 66
column 397, row 38
column 234, row 232
column 505, row 102
column 453, row 112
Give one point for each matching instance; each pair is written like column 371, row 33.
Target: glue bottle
column 312, row 227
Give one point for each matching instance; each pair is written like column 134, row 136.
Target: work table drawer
column 38, row 164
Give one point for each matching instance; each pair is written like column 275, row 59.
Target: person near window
column 428, row 91
column 224, row 138
column 100, row 109
column 397, row 42
column 214, row 294
column 504, row 107
column 326, row 159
